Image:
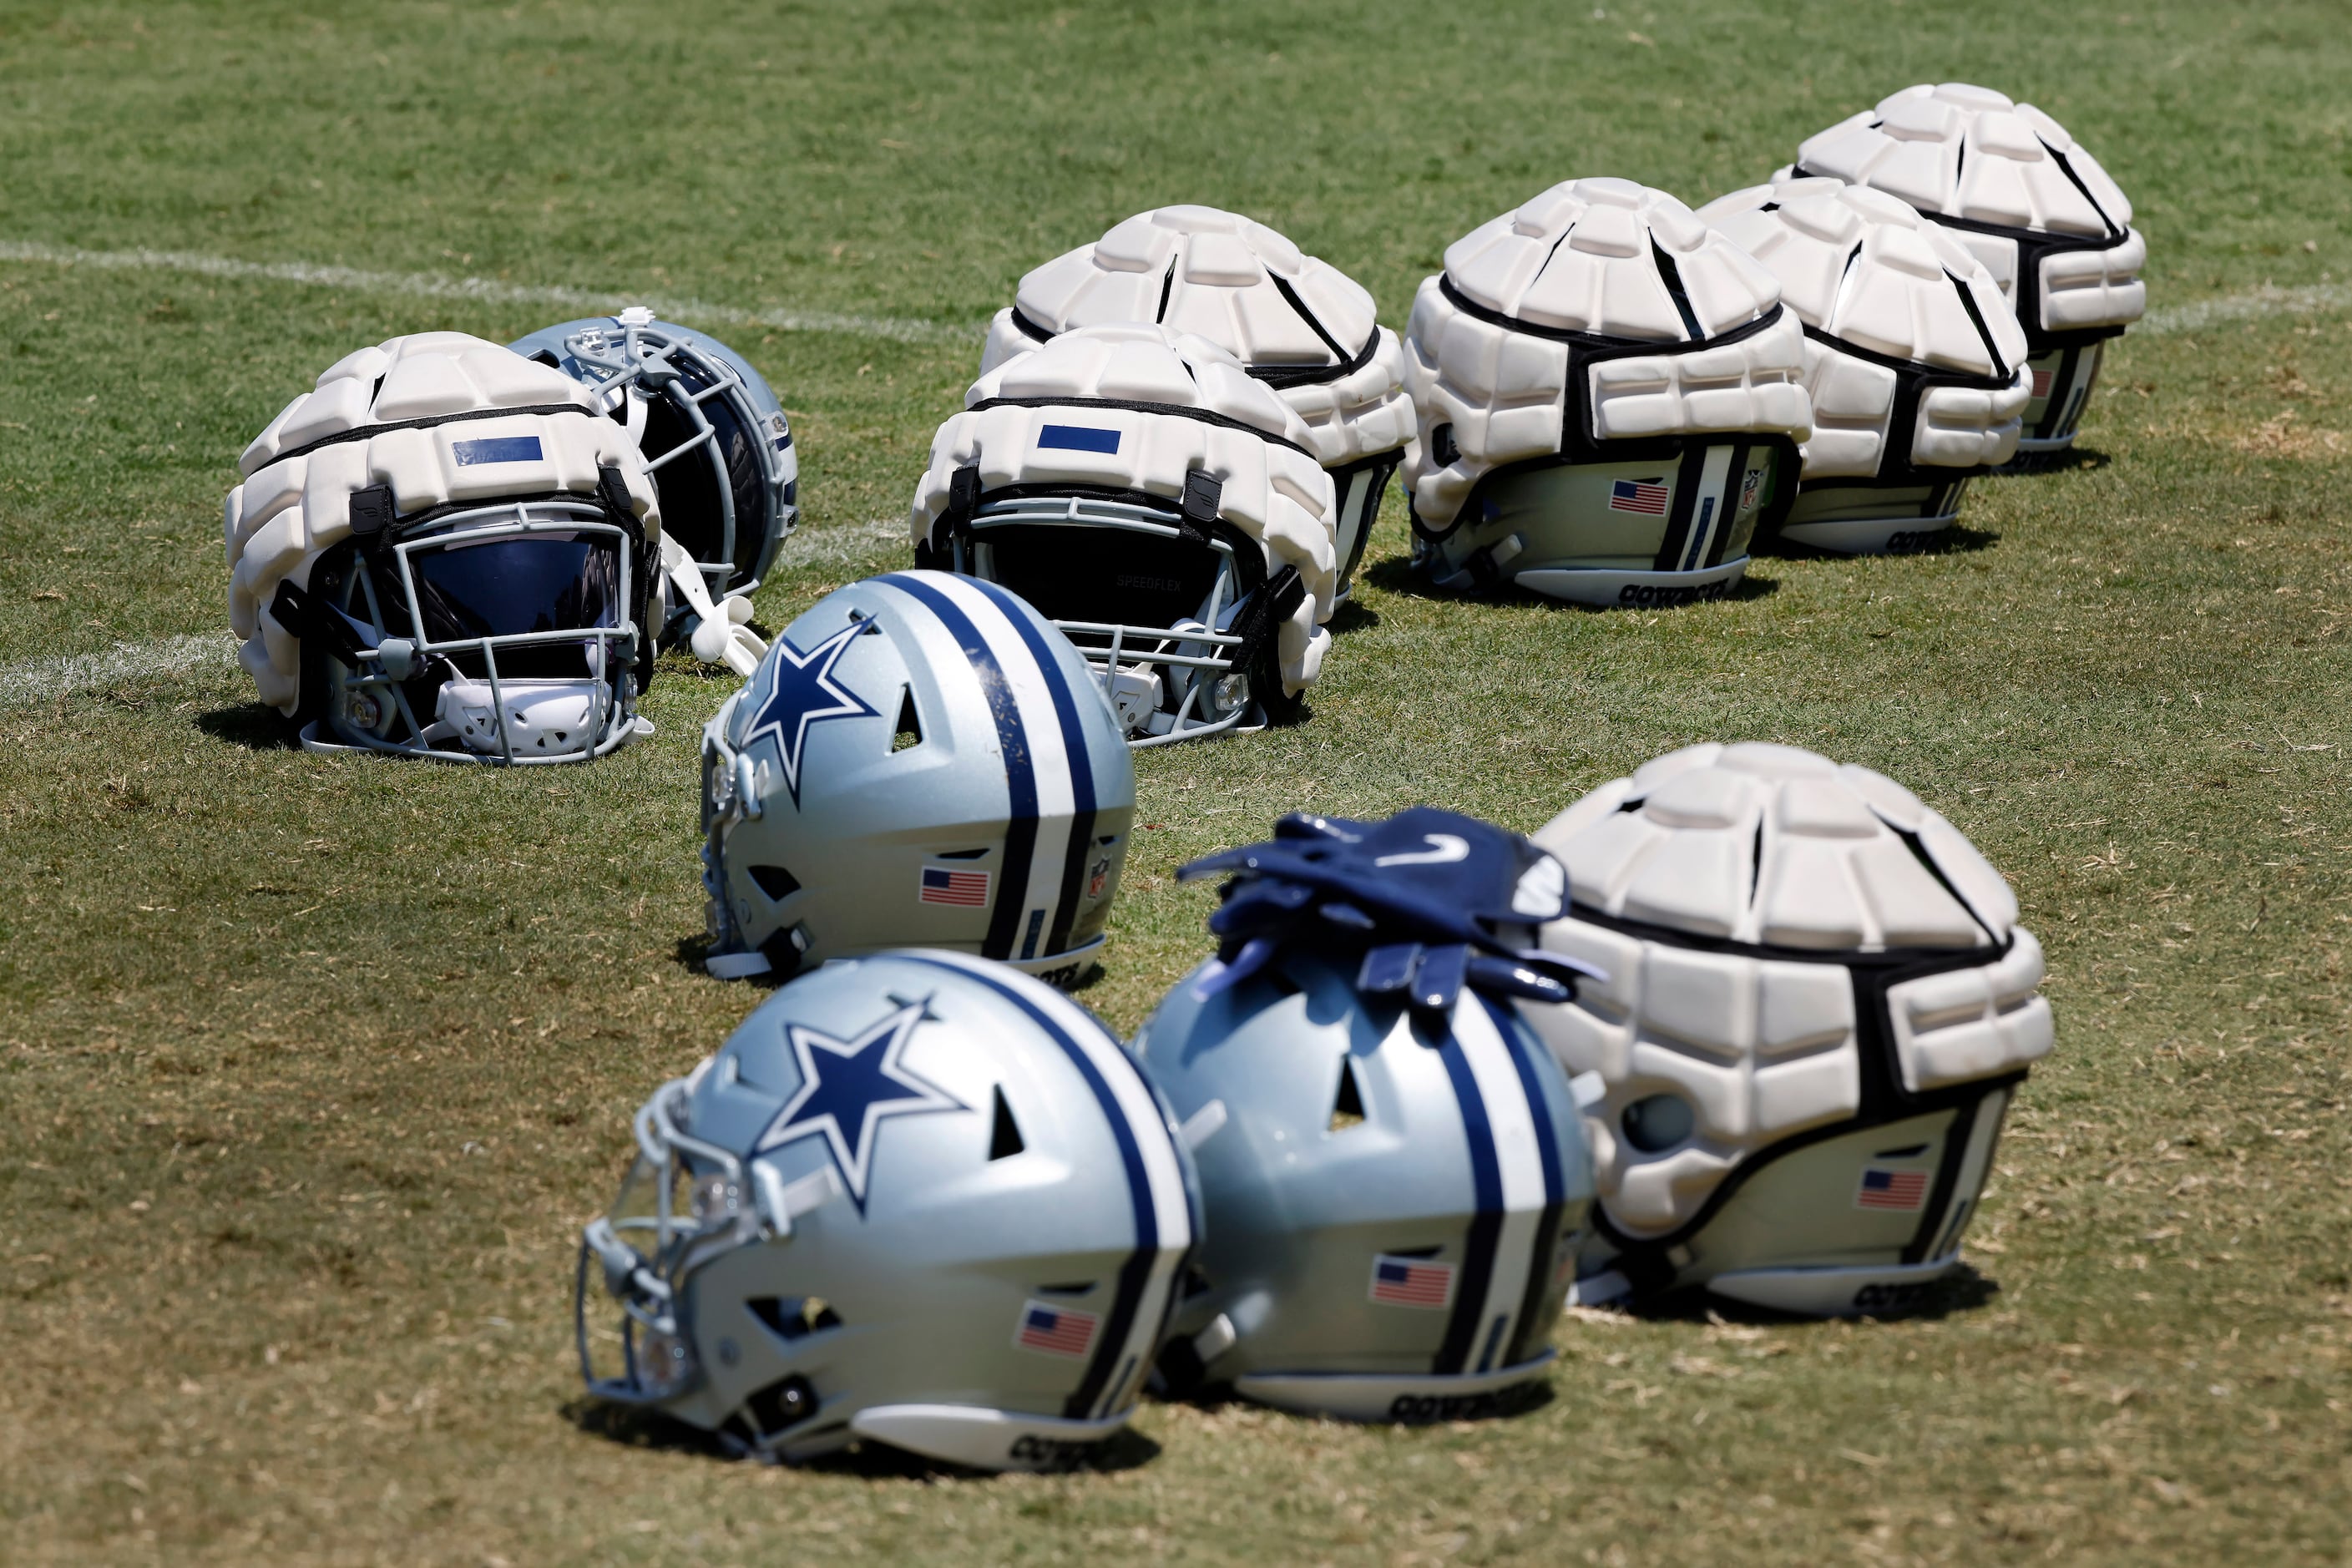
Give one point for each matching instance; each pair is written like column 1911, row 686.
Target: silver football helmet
column 1916, row 364
column 1298, row 323
column 442, row 552
column 1393, row 1177
column 1610, row 397
column 920, row 760
column 2034, row 206
column 720, row 449
column 1819, row 1003
column 1158, row 505
column 917, row 1199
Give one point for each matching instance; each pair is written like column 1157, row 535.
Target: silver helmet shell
column 1817, row 1005
column 916, row 1199
column 1610, row 397
column 920, row 760
column 1916, row 364
column 2010, row 182
column 1160, row 506
column 1393, row 1177
column 441, row 552
column 1300, row 325
column 715, row 437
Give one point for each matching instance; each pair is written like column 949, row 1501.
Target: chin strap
column 719, row 633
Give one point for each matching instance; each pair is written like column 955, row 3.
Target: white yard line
column 41, row 679
column 488, row 290
column 2267, row 300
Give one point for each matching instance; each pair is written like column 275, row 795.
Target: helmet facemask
column 720, row 453
column 504, row 633
column 1189, row 647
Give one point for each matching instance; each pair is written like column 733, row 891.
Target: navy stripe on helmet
column 1074, row 746
column 1135, row 1274
column 1534, row 1320
column 1020, row 775
column 1486, row 1222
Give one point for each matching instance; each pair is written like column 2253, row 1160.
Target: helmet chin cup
column 522, row 718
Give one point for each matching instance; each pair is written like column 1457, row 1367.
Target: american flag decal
column 2040, row 384
column 1883, row 1189
column 1638, row 495
column 966, row 889
column 1412, row 1282
column 1056, row 1331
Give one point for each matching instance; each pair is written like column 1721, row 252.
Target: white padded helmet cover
column 1957, row 151
column 1868, row 270
column 1582, row 258
column 289, row 511
column 1275, row 489
column 1215, row 274
column 1765, row 845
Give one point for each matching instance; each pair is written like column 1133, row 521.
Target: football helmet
column 2033, row 205
column 920, row 759
column 1393, row 1177
column 1610, row 397
column 917, row 1199
column 443, row 552
column 720, row 450
column 1819, row 1003
column 1296, row 323
column 1916, row 364
column 1158, row 505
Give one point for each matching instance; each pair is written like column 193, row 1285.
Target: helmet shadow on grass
column 255, row 726
column 2074, row 457
column 1962, row 1290
column 1396, row 576
column 692, row 953
column 1215, row 1398
column 633, row 1428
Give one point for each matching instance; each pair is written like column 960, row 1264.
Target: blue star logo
column 850, row 1087
column 801, row 691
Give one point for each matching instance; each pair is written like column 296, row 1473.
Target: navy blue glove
column 1427, row 897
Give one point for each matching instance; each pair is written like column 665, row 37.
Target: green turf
column 309, row 1066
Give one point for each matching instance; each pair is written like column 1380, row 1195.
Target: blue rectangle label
column 497, row 450
column 1078, row 438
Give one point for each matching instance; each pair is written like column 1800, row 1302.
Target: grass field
column 310, row 1068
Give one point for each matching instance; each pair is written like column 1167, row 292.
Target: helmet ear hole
column 1347, row 1105
column 1658, row 1122
column 774, row 881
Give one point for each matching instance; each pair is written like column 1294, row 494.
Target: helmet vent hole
column 1442, row 447
column 775, row 882
column 1911, row 1151
column 1347, row 1105
column 910, row 727
column 1658, row 1122
column 793, row 1317
column 1005, row 1133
